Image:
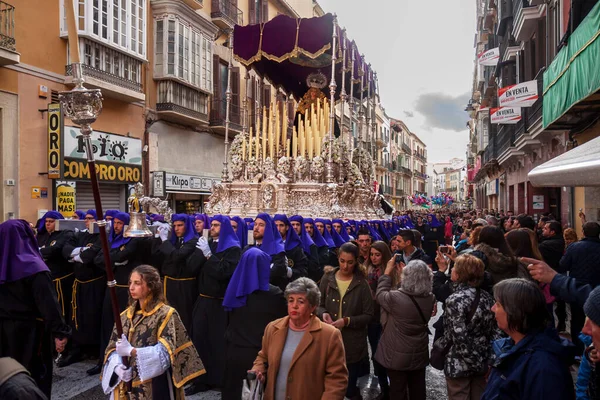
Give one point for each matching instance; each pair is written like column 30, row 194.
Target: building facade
column 528, row 36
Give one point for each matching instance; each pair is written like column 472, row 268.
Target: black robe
column 89, row 289
column 30, row 318
column 315, row 270
column 298, row 262
column 244, row 334
column 123, row 259
column 51, row 247
column 180, row 281
column 209, row 319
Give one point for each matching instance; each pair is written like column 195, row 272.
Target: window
column 258, row 11
column 118, row 23
column 183, row 52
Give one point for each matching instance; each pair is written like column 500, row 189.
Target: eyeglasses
column 90, row 218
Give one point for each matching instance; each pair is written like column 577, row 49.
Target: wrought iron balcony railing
column 173, row 96
column 218, row 111
column 7, row 27
column 109, row 65
column 406, row 148
column 227, row 10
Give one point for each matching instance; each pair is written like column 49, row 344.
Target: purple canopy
column 286, row 50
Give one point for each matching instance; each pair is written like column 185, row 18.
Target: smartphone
column 444, row 249
column 205, row 233
column 398, row 259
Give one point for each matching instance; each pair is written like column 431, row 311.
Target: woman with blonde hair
column 570, row 236
column 347, row 304
column 162, row 358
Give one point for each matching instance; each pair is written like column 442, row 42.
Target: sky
column 423, row 52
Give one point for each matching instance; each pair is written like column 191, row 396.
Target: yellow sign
column 55, row 122
column 107, row 172
column 65, row 199
column 36, row 192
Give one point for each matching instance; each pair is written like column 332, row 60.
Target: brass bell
column 137, row 226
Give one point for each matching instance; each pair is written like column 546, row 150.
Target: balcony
column 419, row 156
column 399, row 192
column 405, row 171
column 118, row 75
column 505, row 138
column 194, row 4
column 218, row 111
column 490, row 152
column 505, row 15
column 534, row 113
column 181, row 104
column 420, row 175
column 526, row 18
column 406, row 148
column 8, row 48
column 225, row 14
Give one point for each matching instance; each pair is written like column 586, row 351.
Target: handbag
column 252, row 388
column 438, row 354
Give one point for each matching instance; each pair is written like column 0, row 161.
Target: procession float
column 310, row 163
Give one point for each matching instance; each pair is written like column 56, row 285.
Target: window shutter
column 252, row 12
column 235, row 95
column 267, row 96
column 265, row 11
column 215, row 105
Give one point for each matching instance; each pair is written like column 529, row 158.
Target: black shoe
column 196, row 388
column 69, row 359
column 95, row 370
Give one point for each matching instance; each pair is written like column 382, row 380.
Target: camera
column 444, row 249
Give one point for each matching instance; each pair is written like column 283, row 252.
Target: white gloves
column 124, row 348
column 124, row 373
column 163, row 232
column 204, row 247
column 77, row 258
column 289, row 272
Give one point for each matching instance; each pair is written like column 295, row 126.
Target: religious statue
column 315, row 82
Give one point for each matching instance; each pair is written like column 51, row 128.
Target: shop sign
column 65, row 198
column 107, row 147
column 189, row 183
column 158, row 183
column 118, row 158
column 492, row 187
column 489, row 58
column 538, row 202
column 106, row 172
column 55, row 128
column 38, row 192
column 505, row 115
column 520, row 95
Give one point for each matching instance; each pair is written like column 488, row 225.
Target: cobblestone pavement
column 73, row 383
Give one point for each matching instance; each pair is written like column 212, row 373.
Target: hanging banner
column 522, row 94
column 65, row 198
column 505, row 115
column 55, row 129
column 489, row 58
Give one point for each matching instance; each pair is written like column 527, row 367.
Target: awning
column 577, row 167
column 572, row 81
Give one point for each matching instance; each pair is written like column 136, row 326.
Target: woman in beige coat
column 302, row 357
column 404, row 345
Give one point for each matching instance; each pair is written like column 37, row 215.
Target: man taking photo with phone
column 409, row 252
